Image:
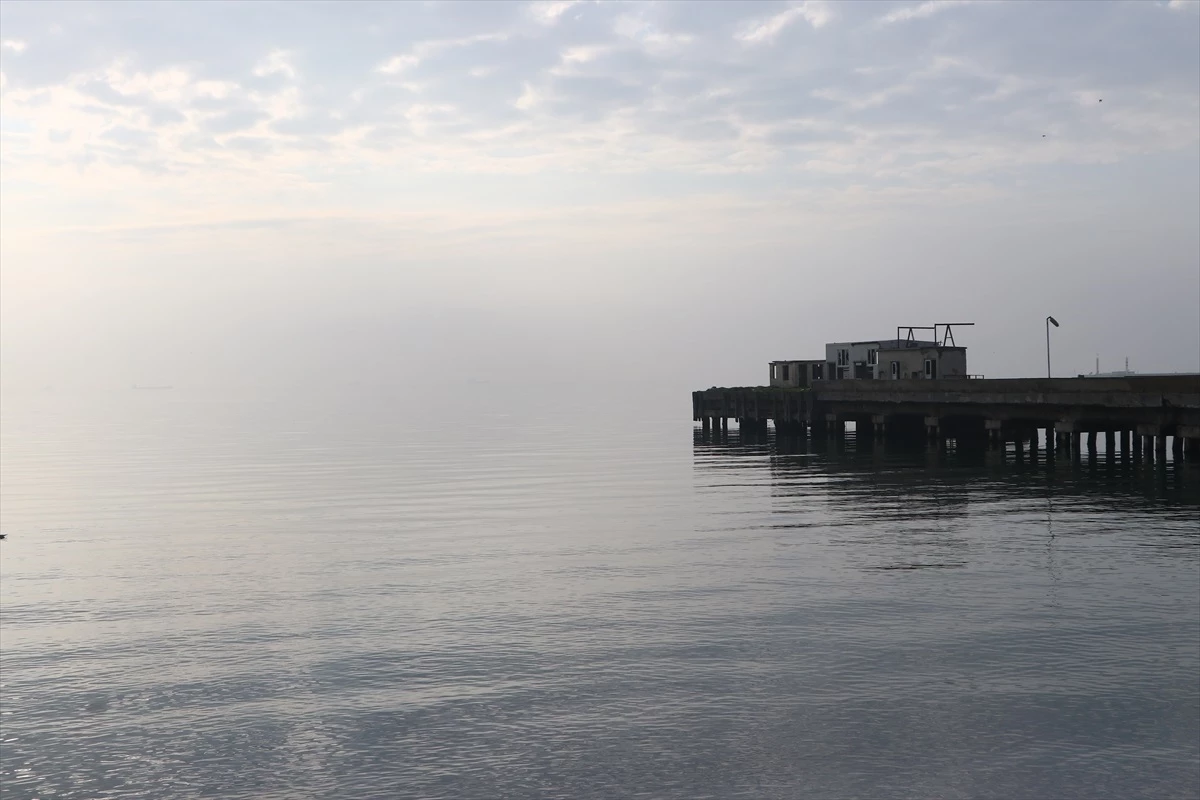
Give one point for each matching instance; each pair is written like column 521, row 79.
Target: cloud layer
column 933, row 93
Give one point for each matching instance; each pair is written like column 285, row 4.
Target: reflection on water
column 359, row 598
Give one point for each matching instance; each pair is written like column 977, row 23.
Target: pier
column 1138, row 415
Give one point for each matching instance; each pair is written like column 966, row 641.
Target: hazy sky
column 208, row 192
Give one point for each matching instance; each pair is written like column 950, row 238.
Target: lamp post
column 1049, row 321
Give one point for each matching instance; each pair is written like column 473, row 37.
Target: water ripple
column 306, row 600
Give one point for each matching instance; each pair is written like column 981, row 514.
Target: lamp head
column 1052, row 321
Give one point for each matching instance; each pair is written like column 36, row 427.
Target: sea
column 481, row 591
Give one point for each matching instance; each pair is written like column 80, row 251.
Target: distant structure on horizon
column 1125, row 373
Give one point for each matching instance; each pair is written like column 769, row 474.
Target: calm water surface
column 494, row 595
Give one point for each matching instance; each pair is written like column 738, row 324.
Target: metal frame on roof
column 947, row 334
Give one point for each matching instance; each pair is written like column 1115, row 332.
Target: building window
column 843, row 358
column 785, row 372
column 872, row 357
column 895, row 370
column 818, row 372
column 931, row 368
column 774, row 372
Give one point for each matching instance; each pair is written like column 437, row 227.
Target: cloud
column 926, row 9
column 529, row 98
column 816, row 12
column 232, row 121
column 584, row 53
column 256, row 145
column 397, row 64
column 161, row 117
column 308, row 124
column 16, row 45
column 1184, row 5
column 277, row 62
column 424, row 50
column 548, row 13
column 648, row 37
column 123, row 135
column 103, row 91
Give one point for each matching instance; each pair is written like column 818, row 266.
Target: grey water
column 495, row 593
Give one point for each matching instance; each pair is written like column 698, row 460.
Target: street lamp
column 1049, row 321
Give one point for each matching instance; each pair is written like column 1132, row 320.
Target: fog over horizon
column 259, row 194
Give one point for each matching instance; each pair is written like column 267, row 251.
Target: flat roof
column 886, row 342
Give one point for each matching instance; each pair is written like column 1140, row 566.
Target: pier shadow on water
column 946, row 473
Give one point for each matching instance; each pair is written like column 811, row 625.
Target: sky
column 590, row 192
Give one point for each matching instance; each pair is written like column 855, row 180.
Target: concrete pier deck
column 1139, row 413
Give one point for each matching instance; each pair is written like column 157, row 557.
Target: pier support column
column 835, row 425
column 1071, row 434
column 724, row 424
column 933, row 428
column 1091, row 442
column 994, row 428
column 704, row 424
column 880, row 424
column 1177, row 447
column 1125, row 443
column 1190, row 434
column 1147, row 434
